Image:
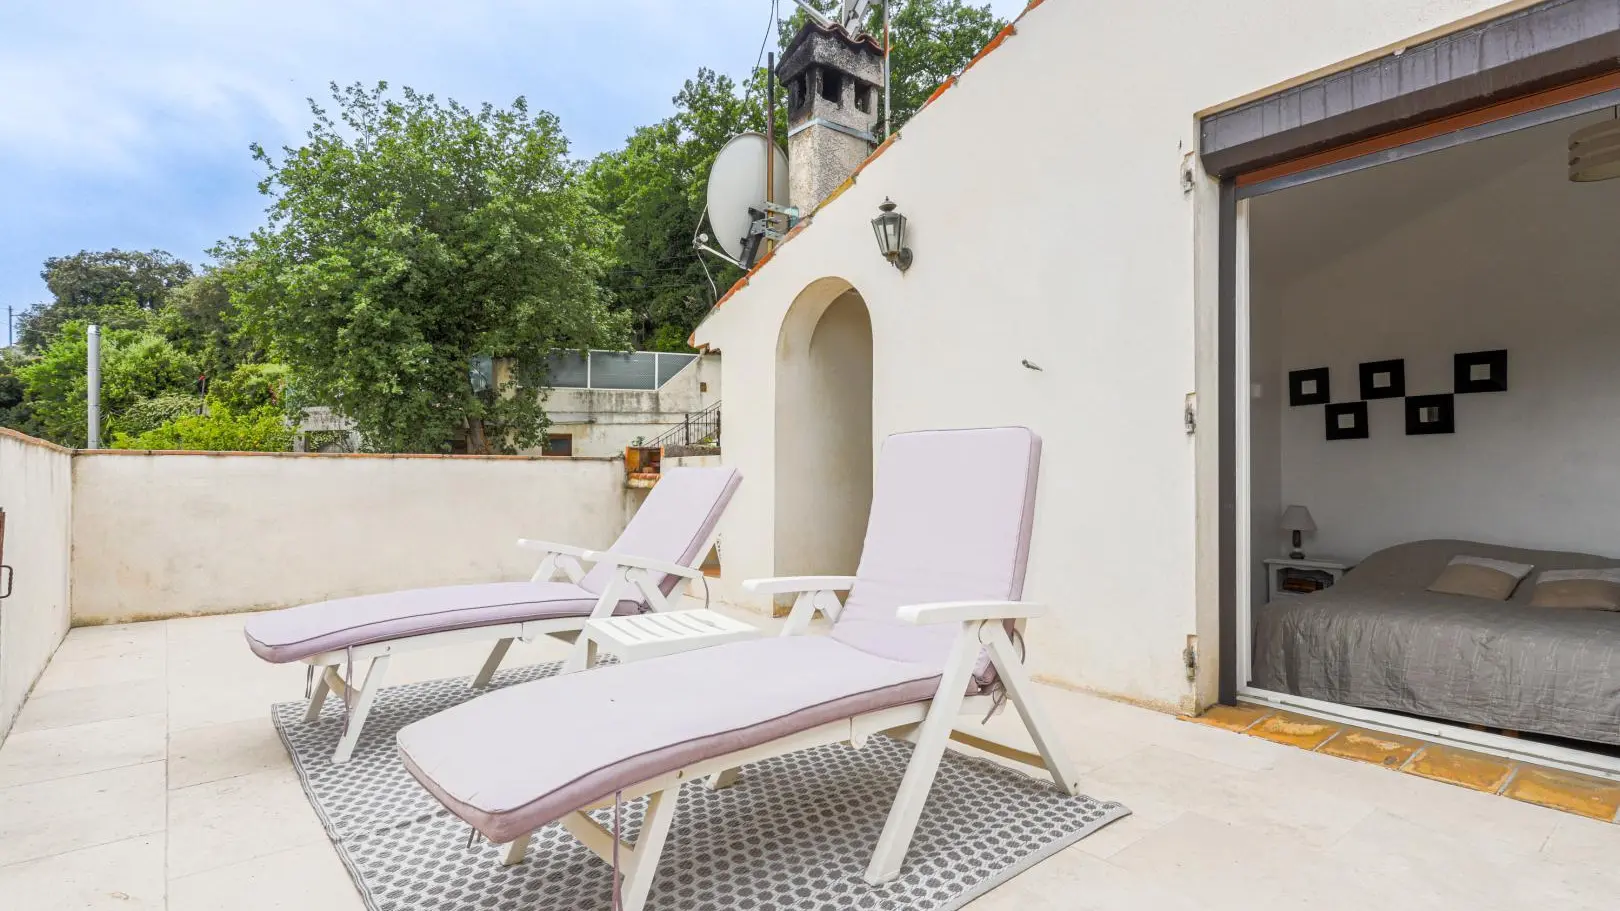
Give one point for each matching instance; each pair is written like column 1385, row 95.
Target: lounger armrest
column 648, row 563
column 968, row 611
column 785, row 585
column 549, row 547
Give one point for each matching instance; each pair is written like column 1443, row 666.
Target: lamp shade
column 1297, row 518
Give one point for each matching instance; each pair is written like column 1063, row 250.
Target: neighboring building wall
column 602, row 422
column 36, row 490
column 1057, row 232
column 171, row 535
column 1463, row 260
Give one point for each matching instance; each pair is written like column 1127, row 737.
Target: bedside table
column 1323, row 570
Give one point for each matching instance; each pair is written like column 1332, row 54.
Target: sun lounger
column 922, row 640
column 659, row 550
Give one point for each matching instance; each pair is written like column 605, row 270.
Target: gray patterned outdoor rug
column 794, row 832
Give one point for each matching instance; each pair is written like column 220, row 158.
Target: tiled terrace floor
column 144, row 774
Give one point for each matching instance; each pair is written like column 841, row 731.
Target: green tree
column 252, row 386
column 135, row 365
column 653, row 189
column 143, row 415
column 263, row 429
column 199, row 317
column 117, row 288
column 15, row 410
column 407, row 236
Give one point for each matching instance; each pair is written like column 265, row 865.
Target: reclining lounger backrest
column 677, row 518
column 951, row 517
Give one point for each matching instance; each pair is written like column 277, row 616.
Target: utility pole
column 93, row 406
column 9, row 340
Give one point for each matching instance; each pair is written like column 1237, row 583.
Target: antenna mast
column 852, row 16
column 770, row 138
column 885, row 69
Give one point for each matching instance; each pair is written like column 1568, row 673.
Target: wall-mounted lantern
column 890, row 228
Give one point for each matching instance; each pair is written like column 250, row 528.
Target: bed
column 1379, row 640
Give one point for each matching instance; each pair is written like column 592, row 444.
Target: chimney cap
column 825, row 44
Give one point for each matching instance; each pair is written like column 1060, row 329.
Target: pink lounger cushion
column 950, row 521
column 516, row 759
column 674, row 523
column 299, row 632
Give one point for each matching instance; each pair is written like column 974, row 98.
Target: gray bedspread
column 1379, row 640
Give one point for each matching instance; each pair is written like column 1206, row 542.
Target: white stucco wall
column 823, row 436
column 1049, row 224
column 170, row 535
column 36, row 492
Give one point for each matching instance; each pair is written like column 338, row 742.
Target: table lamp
column 1297, row 519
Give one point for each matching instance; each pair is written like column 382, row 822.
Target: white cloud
column 104, row 85
column 126, row 122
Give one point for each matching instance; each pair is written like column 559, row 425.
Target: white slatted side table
column 634, row 637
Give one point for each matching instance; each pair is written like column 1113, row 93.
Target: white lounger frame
column 926, row 724
column 633, row 578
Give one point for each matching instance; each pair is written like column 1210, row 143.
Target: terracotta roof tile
column 837, row 192
column 943, row 88
column 881, row 148
column 995, row 42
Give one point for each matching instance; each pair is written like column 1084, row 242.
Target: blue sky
column 125, row 123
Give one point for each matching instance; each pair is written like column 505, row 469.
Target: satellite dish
column 737, row 184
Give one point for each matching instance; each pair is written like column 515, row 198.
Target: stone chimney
column 835, row 108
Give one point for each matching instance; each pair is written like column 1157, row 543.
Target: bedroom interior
column 1430, row 436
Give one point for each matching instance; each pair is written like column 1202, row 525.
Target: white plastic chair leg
column 366, row 695
column 1021, row 690
column 491, row 664
column 516, row 850
column 935, row 730
column 317, row 698
column 638, row 878
column 719, row 781
column 581, row 656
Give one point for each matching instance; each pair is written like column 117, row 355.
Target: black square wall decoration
column 1431, row 414
column 1480, row 371
column 1383, row 380
column 1346, row 421
column 1308, row 387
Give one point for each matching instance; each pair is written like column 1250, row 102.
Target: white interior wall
column 1049, row 224
column 171, row 535
column 1482, row 247
column 1267, row 399
column 36, row 493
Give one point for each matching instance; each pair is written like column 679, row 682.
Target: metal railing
column 700, row 429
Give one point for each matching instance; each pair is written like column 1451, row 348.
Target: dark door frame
column 1258, row 148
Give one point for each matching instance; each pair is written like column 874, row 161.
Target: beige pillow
column 1480, row 577
column 1592, row 589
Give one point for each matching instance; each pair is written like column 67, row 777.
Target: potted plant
column 640, row 458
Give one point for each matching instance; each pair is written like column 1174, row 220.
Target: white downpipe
column 93, row 406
